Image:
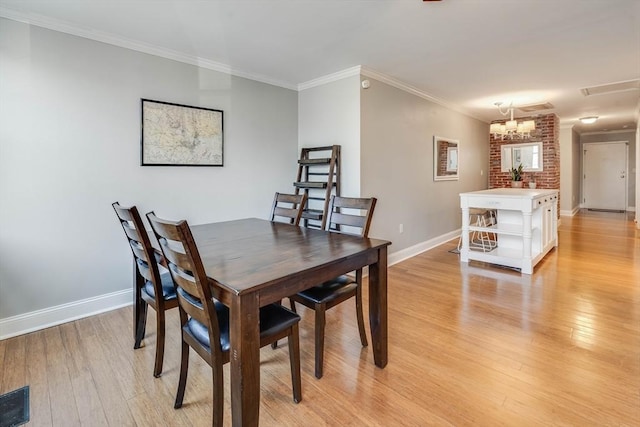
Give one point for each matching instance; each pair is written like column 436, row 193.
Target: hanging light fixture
column 511, row 129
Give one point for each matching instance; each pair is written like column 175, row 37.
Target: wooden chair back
column 288, row 206
column 145, row 256
column 353, row 212
column 194, row 293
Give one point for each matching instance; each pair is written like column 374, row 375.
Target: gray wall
column 397, row 130
column 629, row 137
column 69, row 147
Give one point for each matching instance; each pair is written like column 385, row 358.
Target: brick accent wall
column 443, row 156
column 547, row 131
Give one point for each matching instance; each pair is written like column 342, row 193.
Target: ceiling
column 468, row 54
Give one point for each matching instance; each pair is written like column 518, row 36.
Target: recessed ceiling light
column 588, row 120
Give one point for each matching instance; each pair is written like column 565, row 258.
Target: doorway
column 604, row 185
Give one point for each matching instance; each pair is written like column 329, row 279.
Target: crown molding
column 330, row 78
column 64, row 27
column 391, row 81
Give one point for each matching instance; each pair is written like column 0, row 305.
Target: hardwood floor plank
column 145, row 411
column 3, row 346
column 90, row 409
column 113, row 402
column 64, row 411
column 37, row 379
column 14, row 356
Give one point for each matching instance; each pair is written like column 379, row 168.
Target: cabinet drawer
column 495, row 203
column 541, row 201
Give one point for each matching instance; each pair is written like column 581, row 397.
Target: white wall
column 330, row 114
column 70, row 146
column 397, row 130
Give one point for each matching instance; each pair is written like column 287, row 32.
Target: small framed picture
column 445, row 159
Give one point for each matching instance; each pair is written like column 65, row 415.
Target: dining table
column 254, row 262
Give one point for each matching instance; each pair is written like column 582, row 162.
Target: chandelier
column 511, row 129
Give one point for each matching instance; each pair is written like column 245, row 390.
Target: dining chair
column 346, row 215
column 289, row 206
column 152, row 288
column 205, row 320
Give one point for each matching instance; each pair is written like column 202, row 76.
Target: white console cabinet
column 526, row 227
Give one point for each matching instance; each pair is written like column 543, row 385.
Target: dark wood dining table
column 252, row 262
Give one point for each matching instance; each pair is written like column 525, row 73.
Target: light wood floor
column 469, row 345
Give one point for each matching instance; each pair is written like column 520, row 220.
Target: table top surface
column 246, row 254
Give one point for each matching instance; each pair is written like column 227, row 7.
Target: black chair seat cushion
column 168, row 290
column 273, row 319
column 330, row 290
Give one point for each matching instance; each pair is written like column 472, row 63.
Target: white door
column 605, row 176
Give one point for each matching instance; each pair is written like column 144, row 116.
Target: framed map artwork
column 180, row 135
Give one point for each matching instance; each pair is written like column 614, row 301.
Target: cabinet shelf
column 505, row 229
column 310, row 184
column 315, row 214
column 318, row 178
column 311, row 162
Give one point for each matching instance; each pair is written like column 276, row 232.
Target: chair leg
column 218, row 395
column 363, row 333
column 140, row 321
column 274, row 344
column 139, row 307
column 294, row 359
column 160, row 331
column 319, row 331
column 184, row 368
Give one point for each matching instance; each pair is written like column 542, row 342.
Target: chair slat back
column 140, row 244
column 183, row 259
column 353, row 212
column 288, row 206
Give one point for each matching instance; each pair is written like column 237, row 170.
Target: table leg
column 245, row 360
column 378, row 308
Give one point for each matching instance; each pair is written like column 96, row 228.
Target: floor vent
column 606, row 210
column 14, row 407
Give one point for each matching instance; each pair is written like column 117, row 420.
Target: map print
column 180, row 135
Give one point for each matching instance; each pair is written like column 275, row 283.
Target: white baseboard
column 414, row 250
column 629, row 208
column 52, row 316
column 571, row 212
